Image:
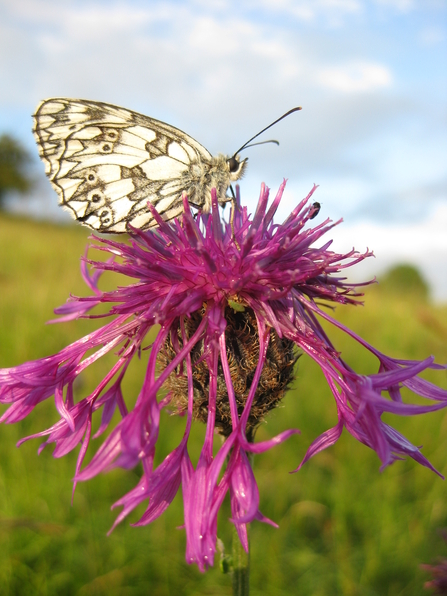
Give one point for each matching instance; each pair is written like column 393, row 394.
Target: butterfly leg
column 233, row 211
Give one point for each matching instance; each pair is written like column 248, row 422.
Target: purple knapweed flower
column 439, row 574
column 235, row 304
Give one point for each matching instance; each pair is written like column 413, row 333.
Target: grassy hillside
column 345, row 528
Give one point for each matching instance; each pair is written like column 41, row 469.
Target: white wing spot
column 163, row 168
column 52, row 106
column 73, row 147
column 69, row 186
column 177, row 152
column 119, row 188
column 133, row 141
column 87, row 133
column 147, row 134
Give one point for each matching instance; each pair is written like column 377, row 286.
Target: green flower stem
column 241, row 566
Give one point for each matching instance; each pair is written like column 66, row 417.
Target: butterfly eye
column 106, row 148
column 233, row 164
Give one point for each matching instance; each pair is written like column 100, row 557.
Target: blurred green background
column 344, row 527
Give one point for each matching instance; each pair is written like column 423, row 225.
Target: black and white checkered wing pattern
column 106, row 163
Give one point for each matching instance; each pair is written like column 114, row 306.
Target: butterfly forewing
column 106, row 163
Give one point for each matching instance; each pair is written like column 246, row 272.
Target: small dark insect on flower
column 316, row 209
column 236, row 304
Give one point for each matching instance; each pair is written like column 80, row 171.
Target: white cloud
column 330, row 12
column 431, row 36
column 355, row 77
column 423, row 244
column 399, row 5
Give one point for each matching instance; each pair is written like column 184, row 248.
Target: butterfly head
column 236, row 167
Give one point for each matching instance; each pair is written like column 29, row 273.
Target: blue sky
column 371, row 76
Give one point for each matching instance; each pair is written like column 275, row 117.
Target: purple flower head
column 438, row 572
column 438, row 584
column 233, row 306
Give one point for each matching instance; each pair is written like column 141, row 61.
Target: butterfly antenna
column 261, row 143
column 244, row 146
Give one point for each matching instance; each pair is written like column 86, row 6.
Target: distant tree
column 14, row 160
column 405, row 280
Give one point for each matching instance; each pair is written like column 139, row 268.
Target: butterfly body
column 106, row 163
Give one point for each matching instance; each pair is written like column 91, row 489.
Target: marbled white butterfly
column 106, row 163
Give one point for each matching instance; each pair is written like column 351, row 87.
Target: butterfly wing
column 106, row 163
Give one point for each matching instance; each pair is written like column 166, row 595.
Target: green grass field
column 345, row 528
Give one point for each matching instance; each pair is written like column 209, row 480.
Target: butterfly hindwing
column 106, row 163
